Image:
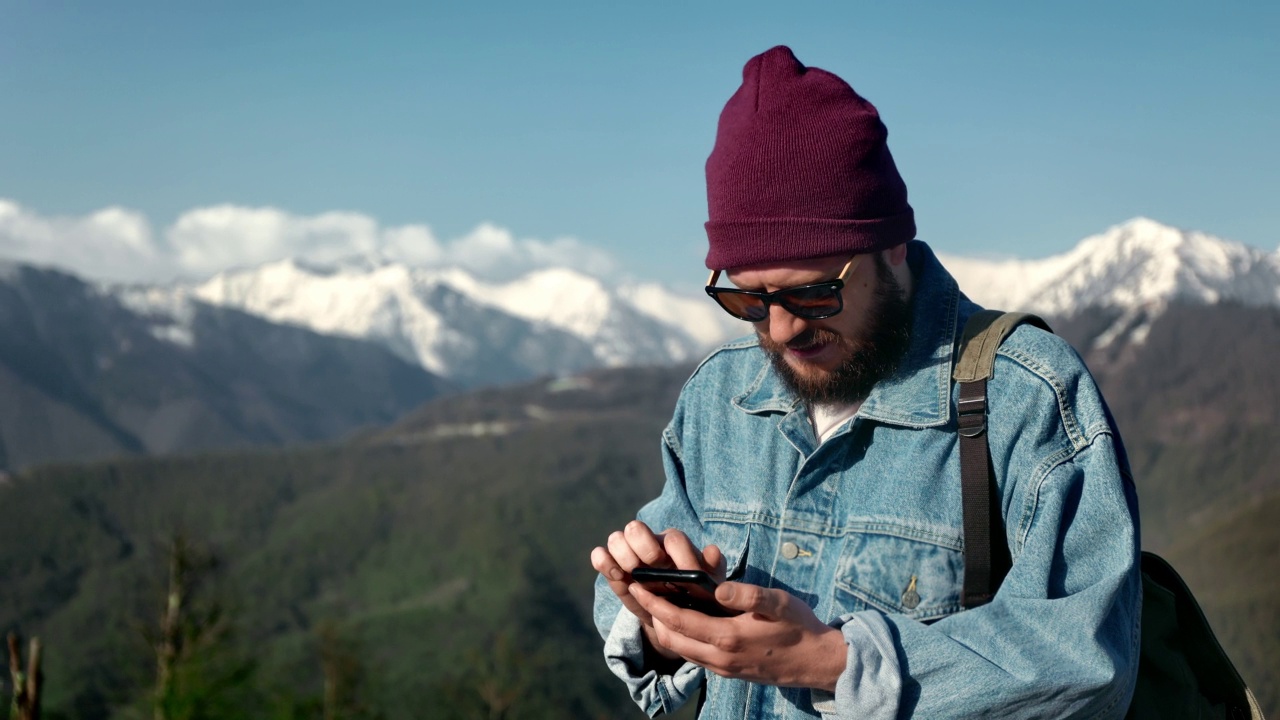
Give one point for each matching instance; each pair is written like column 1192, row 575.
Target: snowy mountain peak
column 560, row 297
column 1187, row 252
column 1139, row 263
column 1143, row 229
column 550, row 320
column 557, row 320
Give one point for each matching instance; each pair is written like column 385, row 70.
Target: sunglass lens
column 815, row 302
column 742, row 306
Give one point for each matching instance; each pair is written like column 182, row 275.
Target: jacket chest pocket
column 920, row 579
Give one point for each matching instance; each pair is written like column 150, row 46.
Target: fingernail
column 615, row 574
column 726, row 592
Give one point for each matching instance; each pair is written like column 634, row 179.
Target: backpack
column 1182, row 670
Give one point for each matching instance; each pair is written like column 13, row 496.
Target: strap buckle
column 972, row 416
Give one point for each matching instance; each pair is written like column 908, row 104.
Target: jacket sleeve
column 1063, row 629
column 624, row 646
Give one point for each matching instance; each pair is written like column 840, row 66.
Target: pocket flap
column 893, row 574
column 732, row 539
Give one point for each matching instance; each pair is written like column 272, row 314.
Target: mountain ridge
column 83, row 377
column 1137, row 263
column 1138, row 267
column 1110, row 290
column 396, row 305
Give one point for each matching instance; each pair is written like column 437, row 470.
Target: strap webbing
column 980, row 579
column 986, row 552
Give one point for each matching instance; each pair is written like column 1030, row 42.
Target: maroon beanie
column 800, row 170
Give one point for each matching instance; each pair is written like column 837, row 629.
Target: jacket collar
column 919, row 394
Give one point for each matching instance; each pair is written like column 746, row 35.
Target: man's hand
column 637, row 545
column 776, row 641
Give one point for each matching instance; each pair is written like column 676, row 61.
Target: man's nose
column 783, row 326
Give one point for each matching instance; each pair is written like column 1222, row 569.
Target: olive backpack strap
column 986, row 553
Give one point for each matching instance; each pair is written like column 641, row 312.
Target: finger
column 602, row 560
column 620, row 549
column 713, row 562
column 658, row 608
column 645, row 545
column 621, row 590
column 618, row 580
column 681, row 551
column 694, row 651
column 687, row 623
column 753, row 599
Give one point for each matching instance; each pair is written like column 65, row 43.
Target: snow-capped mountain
column 1138, row 263
column 457, row 325
column 1136, row 268
column 288, row 351
column 551, row 321
column 85, row 377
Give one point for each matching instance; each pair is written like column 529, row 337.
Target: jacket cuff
column 655, row 694
column 870, row 687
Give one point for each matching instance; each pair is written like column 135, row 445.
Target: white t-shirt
column 827, row 418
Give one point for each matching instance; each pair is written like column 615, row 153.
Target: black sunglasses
column 810, row 302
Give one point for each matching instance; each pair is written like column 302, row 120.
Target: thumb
column 751, row 598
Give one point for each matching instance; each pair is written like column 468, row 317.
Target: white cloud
column 492, row 251
column 206, row 240
column 412, row 244
column 113, row 243
column 120, row 244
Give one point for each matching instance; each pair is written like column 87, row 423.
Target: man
column 815, row 465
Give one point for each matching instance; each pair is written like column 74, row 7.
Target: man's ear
column 896, row 255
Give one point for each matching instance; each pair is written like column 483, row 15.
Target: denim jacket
column 866, row 529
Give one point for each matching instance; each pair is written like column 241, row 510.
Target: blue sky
column 1020, row 128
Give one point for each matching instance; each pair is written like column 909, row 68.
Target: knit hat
column 800, row 169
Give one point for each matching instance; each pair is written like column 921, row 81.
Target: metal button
column 790, row 550
column 911, row 598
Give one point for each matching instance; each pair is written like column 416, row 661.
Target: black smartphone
column 692, row 589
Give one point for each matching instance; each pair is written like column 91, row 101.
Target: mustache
column 806, row 339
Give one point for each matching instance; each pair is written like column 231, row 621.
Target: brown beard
column 868, row 359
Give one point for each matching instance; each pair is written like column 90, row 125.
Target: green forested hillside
column 1231, row 567
column 439, row 568
column 454, row 569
